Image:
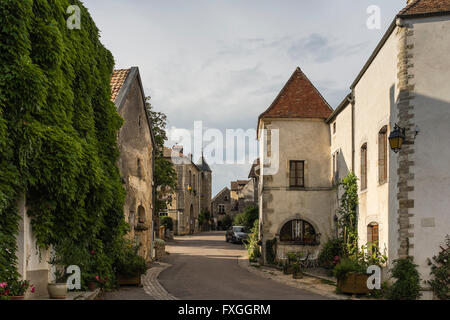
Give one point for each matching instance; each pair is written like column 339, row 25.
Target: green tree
column 165, row 176
column 203, row 220
column 247, row 218
column 227, row 222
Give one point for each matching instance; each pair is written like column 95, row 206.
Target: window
column 382, row 155
column 225, row 198
column 334, row 127
column 299, row 232
column 336, row 167
column 364, row 166
column 141, row 214
column 221, row 208
column 372, row 236
column 296, row 173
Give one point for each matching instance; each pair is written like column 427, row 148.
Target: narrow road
column 204, row 266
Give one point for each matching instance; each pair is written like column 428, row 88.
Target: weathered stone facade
column 193, row 192
column 136, row 161
column 221, row 207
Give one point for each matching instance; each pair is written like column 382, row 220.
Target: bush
column 130, row 263
column 247, row 218
column 331, row 249
column 440, row 273
column 167, row 222
column 203, row 220
column 227, row 222
column 271, row 248
column 407, row 285
column 252, row 245
column 347, row 266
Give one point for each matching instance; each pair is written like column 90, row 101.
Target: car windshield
column 239, row 229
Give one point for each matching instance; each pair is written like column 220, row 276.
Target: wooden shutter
column 382, row 156
column 364, row 167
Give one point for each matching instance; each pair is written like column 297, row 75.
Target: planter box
column 128, row 281
column 355, row 283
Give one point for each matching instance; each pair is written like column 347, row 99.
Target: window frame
column 299, row 228
column 382, row 155
column 363, row 167
column 296, row 177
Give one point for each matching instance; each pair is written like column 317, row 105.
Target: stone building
column 193, row 192
column 136, row 161
column 403, row 206
column 295, row 199
column 242, row 195
column 221, row 207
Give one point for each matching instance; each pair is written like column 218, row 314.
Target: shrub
column 407, row 285
column 130, row 263
column 331, row 249
column 440, row 273
column 347, row 266
column 252, row 245
column 271, row 247
column 227, row 222
column 167, row 222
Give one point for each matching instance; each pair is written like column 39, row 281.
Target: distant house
column 193, row 193
column 136, row 161
column 221, row 207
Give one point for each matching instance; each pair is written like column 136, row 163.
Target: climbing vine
column 348, row 223
column 58, row 132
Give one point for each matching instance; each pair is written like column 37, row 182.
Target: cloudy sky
column 224, row 61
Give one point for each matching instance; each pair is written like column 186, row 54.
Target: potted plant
column 351, row 276
column 296, row 271
column 15, row 290
column 58, row 288
column 287, row 268
column 130, row 266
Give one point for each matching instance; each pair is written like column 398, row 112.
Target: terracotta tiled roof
column 117, row 80
column 298, row 99
column 425, row 7
column 252, row 173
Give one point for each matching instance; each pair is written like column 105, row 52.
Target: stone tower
column 205, row 184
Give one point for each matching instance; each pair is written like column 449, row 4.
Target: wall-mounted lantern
column 396, row 138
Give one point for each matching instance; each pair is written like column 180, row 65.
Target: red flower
column 32, row 290
column 92, row 251
column 6, row 292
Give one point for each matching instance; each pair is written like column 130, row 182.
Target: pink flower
column 92, row 251
column 98, row 278
column 3, row 284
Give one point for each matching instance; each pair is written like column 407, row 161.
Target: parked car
column 236, row 234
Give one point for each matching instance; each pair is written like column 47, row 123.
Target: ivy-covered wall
column 58, row 132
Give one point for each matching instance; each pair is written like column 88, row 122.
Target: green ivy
column 348, row 222
column 58, row 132
column 440, row 272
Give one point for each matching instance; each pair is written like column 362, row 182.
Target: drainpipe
column 352, row 101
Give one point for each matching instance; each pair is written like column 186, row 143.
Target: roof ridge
column 409, row 6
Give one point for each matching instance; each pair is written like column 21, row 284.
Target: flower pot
column 128, row 280
column 297, row 275
column 17, row 297
column 92, row 285
column 57, row 290
column 288, row 270
column 355, row 283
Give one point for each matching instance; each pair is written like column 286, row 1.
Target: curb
column 244, row 263
column 88, row 295
column 152, row 287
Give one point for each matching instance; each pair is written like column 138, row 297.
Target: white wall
column 432, row 145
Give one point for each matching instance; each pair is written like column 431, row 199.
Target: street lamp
column 396, row 138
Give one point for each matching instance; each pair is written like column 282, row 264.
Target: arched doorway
column 191, row 220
